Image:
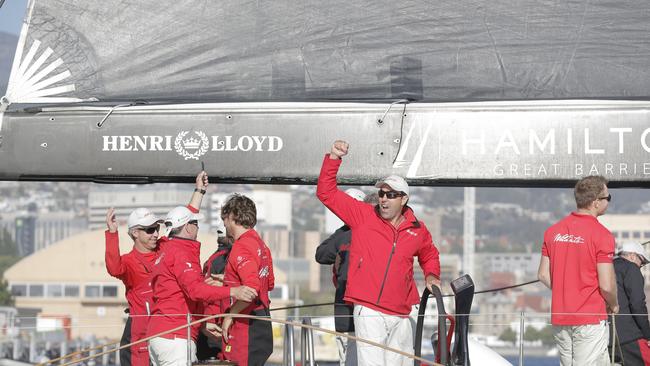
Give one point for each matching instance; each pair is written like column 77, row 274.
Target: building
column 523, row 265
column 34, row 231
column 273, row 207
column 159, row 198
column 630, row 228
column 627, row 227
column 68, row 281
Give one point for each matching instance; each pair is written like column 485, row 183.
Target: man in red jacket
column 248, row 342
column 385, row 238
column 134, row 269
column 179, row 288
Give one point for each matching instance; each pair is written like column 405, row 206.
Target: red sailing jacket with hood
column 380, row 272
column 179, row 288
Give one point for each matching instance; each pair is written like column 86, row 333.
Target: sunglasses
column 150, row 230
column 193, row 222
column 608, row 198
column 390, row 194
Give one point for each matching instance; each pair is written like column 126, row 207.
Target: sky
column 11, row 15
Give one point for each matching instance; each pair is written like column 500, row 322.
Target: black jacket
column 631, row 300
column 338, row 243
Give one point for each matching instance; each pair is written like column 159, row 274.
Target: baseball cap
column 180, row 216
column 142, row 217
column 357, row 194
column 633, row 247
column 395, row 182
column 221, row 228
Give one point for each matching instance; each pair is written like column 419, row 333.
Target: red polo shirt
column 574, row 246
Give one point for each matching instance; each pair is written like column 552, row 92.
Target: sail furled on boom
column 238, row 50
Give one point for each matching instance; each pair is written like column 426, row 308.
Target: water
column 535, row 360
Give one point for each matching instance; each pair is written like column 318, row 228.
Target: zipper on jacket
column 390, row 258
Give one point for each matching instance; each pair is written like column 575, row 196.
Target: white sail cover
column 279, row 50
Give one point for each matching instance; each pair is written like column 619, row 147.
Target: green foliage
column 531, row 333
column 508, row 335
column 6, row 299
column 7, row 245
column 8, row 256
column 546, row 335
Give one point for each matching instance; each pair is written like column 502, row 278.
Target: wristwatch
column 202, row 191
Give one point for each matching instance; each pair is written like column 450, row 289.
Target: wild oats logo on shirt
column 568, row 238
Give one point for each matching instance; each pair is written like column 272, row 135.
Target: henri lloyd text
column 192, row 145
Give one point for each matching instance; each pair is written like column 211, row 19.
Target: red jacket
column 134, row 269
column 178, row 287
column 380, row 273
column 250, row 264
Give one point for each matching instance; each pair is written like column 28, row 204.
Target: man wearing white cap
column 135, row 267
column 179, row 288
column 385, row 238
column 632, row 326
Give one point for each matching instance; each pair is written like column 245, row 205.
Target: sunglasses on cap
column 390, row 194
column 150, row 230
column 608, row 198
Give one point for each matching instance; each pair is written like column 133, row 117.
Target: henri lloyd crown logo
column 199, row 147
column 191, row 145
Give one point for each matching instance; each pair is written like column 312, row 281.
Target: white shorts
column 170, row 352
column 582, row 344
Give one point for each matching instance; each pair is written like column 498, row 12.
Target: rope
column 280, row 321
column 445, row 295
column 271, row 320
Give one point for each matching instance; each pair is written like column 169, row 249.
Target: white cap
column 221, row 228
column 395, row 182
column 633, row 247
column 142, row 217
column 357, row 194
column 180, row 216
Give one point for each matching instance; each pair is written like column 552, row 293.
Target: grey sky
column 11, row 16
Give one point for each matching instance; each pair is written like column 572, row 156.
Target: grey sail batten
column 496, row 143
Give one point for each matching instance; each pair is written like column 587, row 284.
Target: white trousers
column 390, row 330
column 582, row 344
column 170, row 352
column 347, row 350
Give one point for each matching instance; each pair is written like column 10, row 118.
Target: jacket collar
column 192, row 245
column 409, row 216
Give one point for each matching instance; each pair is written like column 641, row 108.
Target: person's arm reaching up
column 112, row 256
column 197, row 196
column 348, row 209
